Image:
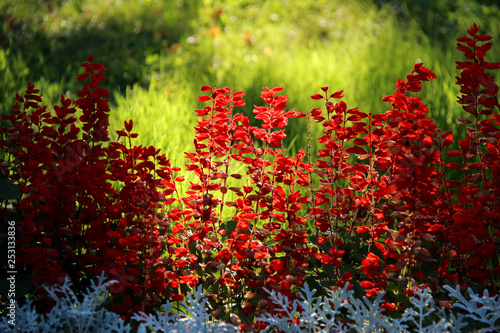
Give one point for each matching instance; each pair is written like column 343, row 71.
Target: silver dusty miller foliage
column 339, row 312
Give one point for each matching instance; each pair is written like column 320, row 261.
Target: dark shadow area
column 440, row 19
column 122, row 46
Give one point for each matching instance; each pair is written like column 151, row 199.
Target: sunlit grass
column 360, row 67
column 159, row 53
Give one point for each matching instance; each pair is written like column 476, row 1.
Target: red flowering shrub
column 72, row 221
column 375, row 209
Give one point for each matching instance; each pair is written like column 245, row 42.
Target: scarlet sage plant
column 72, row 221
column 262, row 241
column 376, row 208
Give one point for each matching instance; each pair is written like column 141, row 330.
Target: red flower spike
column 473, row 30
column 129, row 125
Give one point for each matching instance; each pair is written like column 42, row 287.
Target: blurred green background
column 159, row 53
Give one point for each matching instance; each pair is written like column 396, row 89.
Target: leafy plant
column 70, row 313
column 327, row 314
column 72, row 221
column 340, row 312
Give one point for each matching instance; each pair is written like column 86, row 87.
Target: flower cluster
column 88, row 205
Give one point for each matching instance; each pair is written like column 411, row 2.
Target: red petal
column 453, row 153
column 386, row 190
column 464, row 39
column 367, row 284
column 98, row 67
column 482, row 38
column 473, row 30
column 82, row 77
column 121, row 133
column 129, row 125
column 203, row 98
column 337, row 94
column 356, row 150
column 448, row 140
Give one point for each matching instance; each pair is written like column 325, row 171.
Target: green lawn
column 159, row 53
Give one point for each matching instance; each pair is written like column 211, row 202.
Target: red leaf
column 206, row 88
column 317, row 96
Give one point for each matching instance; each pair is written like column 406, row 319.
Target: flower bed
column 339, row 312
column 375, row 211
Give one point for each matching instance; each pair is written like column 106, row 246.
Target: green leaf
column 314, row 283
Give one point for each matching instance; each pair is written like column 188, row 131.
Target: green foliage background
column 159, row 53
